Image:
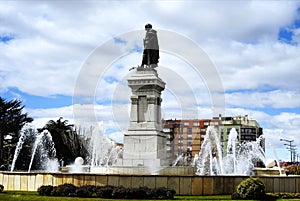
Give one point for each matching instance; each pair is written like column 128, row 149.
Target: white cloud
column 256, row 66
column 274, row 99
column 50, row 36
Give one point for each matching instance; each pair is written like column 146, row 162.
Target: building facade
column 247, row 129
column 185, row 136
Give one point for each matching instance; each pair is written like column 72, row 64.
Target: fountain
column 108, row 167
column 43, row 148
column 144, row 143
column 26, row 130
column 179, row 159
column 143, row 162
column 101, row 149
column 239, row 159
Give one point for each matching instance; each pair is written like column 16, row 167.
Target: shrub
column 139, row 193
column 289, row 195
column 64, row 190
column 85, row 191
column 119, row 192
column 45, row 190
column 108, row 191
column 104, row 191
column 235, row 196
column 251, row 188
column 164, row 193
column 1, row 188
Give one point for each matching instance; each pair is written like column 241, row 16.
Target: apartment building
column 185, row 136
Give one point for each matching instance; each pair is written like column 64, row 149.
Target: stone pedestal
column 145, row 143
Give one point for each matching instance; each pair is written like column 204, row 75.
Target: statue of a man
column 151, row 48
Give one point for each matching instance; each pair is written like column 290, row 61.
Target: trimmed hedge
column 251, row 188
column 111, row 192
column 1, row 188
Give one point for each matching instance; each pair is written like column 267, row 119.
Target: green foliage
column 64, row 190
column 251, row 188
column 85, row 191
column 12, row 119
column 110, row 192
column 289, row 195
column 68, row 144
column 45, row 190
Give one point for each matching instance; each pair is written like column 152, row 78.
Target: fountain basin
column 144, row 170
column 267, row 171
column 75, row 168
column 184, row 185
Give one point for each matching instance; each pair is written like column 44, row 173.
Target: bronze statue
column 151, row 48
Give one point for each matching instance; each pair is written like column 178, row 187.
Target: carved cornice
column 134, row 100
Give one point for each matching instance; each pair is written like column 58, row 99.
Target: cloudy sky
column 71, row 59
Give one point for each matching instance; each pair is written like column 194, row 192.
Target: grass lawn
column 33, row 196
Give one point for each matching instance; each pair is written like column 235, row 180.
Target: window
column 186, row 123
column 167, row 130
column 189, row 130
column 196, row 123
column 214, row 123
column 206, row 123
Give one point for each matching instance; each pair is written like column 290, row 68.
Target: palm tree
column 58, row 126
column 12, row 119
column 67, row 143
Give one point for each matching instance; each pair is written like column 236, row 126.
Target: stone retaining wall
column 184, row 185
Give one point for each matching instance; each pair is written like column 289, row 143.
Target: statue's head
column 148, row 26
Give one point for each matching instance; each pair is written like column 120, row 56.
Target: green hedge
column 111, row 192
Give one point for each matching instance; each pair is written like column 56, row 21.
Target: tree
column 68, row 144
column 12, row 119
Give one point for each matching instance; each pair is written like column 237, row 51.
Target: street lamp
column 289, row 146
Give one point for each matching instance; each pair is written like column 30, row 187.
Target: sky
column 71, row 59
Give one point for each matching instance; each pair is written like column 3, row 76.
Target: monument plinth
column 145, row 142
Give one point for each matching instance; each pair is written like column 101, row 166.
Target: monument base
column 144, row 149
column 145, row 142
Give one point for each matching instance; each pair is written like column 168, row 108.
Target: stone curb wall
column 184, row 185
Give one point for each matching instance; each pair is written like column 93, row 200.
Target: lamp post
column 289, row 146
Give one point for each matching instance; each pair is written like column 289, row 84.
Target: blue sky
column 45, row 45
